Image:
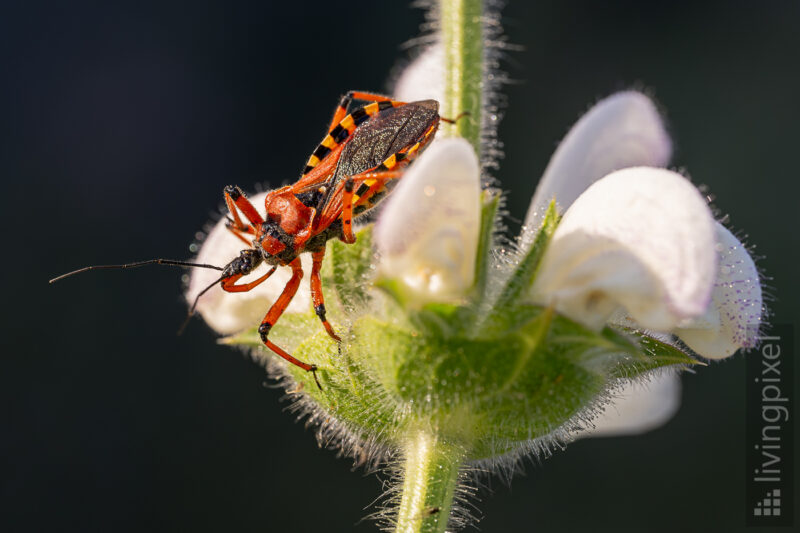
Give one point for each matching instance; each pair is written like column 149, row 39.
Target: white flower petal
column 733, row 319
column 227, row 312
column 427, row 234
column 642, row 239
column 639, row 407
column 623, row 130
column 423, row 79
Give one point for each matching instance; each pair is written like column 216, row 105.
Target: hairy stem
column 431, row 466
column 462, row 39
column 430, row 477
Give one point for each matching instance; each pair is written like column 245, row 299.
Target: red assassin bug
column 348, row 174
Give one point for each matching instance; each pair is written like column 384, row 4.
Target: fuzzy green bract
column 487, row 374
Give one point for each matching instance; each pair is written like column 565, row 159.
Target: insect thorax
column 271, row 231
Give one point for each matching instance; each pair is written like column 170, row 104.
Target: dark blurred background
column 121, row 122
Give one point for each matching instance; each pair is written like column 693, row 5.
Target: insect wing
column 387, row 133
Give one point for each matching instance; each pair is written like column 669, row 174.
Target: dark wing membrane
column 385, row 134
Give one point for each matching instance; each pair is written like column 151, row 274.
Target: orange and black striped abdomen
column 344, row 130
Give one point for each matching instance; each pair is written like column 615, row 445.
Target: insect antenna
column 454, row 120
column 190, row 313
column 169, row 262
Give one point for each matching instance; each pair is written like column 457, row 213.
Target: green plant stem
column 462, row 39
column 430, row 468
column 430, row 477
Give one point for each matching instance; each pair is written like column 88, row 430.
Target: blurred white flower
column 639, row 407
column 427, row 234
column 423, row 79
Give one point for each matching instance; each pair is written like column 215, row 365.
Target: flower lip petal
column 733, row 320
column 642, row 239
column 227, row 312
column 623, row 130
column 427, row 234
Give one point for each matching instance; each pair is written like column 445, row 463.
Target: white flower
column 639, row 407
column 656, row 243
column 621, row 131
column 637, row 245
column 641, row 239
column 641, row 243
column 733, row 319
column 427, row 235
column 424, row 78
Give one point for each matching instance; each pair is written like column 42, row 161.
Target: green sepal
column 650, row 354
column 487, row 389
column 490, row 202
column 519, row 282
column 395, row 289
column 349, row 271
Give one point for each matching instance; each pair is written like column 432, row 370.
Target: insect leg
column 316, row 293
column 373, row 181
column 235, row 198
column 275, row 313
column 344, row 103
column 235, row 224
column 229, row 284
column 341, row 110
column 230, row 225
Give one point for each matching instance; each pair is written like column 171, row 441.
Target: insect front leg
column 230, row 225
column 275, row 313
column 229, row 283
column 244, row 264
column 237, row 201
column 316, row 293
